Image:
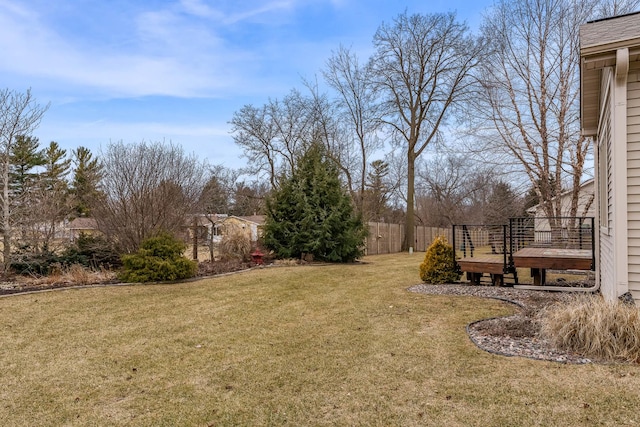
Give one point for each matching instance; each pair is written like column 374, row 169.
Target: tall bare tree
column 528, row 108
column 20, row 115
column 148, row 188
column 358, row 113
column 422, row 64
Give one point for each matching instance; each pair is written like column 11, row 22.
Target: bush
column 235, row 245
column 438, row 265
column 159, row 259
column 94, row 252
column 594, row 328
column 28, row 263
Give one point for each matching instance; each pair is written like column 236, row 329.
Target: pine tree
column 54, row 190
column 502, row 204
column 311, row 214
column 86, row 178
column 376, row 194
column 25, row 158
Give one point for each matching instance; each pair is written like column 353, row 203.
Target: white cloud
column 200, row 8
column 260, row 11
column 171, row 53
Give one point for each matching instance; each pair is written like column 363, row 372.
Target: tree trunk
column 6, row 226
column 410, row 222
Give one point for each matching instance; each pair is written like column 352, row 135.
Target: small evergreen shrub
column 438, row 265
column 28, row 262
column 594, row 328
column 93, row 252
column 158, row 259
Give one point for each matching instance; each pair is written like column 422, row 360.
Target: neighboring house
column 212, row 227
column 565, row 225
column 251, row 226
column 610, row 113
column 78, row 226
column 586, row 205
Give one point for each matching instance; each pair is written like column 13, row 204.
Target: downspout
column 620, row 243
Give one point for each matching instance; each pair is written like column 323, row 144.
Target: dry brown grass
column 73, row 275
column 302, row 345
column 593, row 327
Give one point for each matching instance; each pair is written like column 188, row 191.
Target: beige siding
column 633, row 172
column 606, row 215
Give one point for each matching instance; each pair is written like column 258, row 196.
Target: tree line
column 132, row 191
column 439, row 125
column 438, row 116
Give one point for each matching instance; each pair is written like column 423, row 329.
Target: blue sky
column 177, row 70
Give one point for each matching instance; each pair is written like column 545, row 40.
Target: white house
column 585, row 213
column 586, row 205
column 610, row 113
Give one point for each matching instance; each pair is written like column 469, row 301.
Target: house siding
column 606, row 249
column 633, row 171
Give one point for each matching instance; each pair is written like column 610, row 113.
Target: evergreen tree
column 25, row 157
column 376, row 194
column 56, row 166
column 502, row 204
column 86, row 178
column 312, row 215
column 53, row 189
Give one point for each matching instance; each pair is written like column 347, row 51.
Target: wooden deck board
column 493, row 264
column 553, row 258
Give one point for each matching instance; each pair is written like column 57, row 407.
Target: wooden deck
column 483, row 264
column 557, row 259
column 541, row 259
column 475, row 267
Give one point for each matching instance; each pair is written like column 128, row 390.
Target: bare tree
column 423, row 66
column 148, row 188
column 451, row 190
column 272, row 136
column 215, row 202
column 528, row 109
column 20, row 115
column 358, row 110
column 609, row 8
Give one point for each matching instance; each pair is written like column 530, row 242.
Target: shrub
column 438, row 265
column 28, row 263
column 594, row 328
column 158, row 259
column 94, row 252
column 235, row 245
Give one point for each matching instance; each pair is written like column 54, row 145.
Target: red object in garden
column 256, row 256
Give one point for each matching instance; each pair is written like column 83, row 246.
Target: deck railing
column 506, row 239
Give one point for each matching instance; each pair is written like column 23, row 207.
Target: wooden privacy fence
column 387, row 238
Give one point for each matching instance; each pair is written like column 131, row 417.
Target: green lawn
column 311, row 345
